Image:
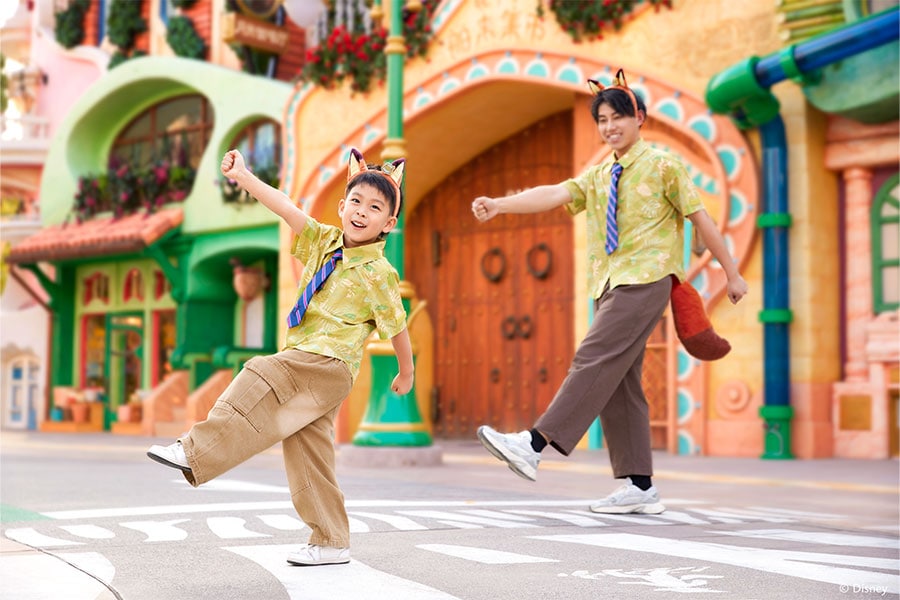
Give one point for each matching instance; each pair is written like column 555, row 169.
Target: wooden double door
column 500, row 294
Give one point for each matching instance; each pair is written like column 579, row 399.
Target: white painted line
column 580, row 521
column 743, row 513
column 282, row 522
column 357, row 526
column 236, row 485
column 799, row 513
column 721, row 517
column 30, row 537
column 460, row 525
column 232, row 528
column 398, row 522
column 138, row 511
column 819, row 537
column 159, row 531
column 632, row 519
column 496, row 514
column 335, row 581
column 41, row 576
column 92, row 532
column 485, row 556
column 679, row 517
column 781, row 562
column 438, row 514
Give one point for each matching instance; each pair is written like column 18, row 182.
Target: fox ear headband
column 617, row 84
column 392, row 171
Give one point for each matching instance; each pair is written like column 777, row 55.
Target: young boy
column 293, row 396
column 636, row 202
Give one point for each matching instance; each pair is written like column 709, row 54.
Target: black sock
column 641, row 481
column 538, row 442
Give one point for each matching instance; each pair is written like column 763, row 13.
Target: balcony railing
column 24, row 128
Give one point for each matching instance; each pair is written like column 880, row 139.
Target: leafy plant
column 585, row 20
column 124, row 23
column 233, row 193
column 183, row 38
column 4, row 84
column 69, row 27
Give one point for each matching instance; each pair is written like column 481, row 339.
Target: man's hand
column 737, row 289
column 232, row 164
column 402, row 384
column 485, row 208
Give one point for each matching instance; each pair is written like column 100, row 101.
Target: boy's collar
column 359, row 255
column 632, row 154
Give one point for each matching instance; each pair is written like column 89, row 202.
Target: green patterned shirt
column 655, row 194
column 362, row 294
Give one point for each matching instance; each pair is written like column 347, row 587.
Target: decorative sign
column 856, row 413
column 252, row 32
column 261, row 9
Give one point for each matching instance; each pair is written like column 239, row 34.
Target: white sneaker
column 171, row 456
column 629, row 498
column 512, row 448
column 310, row 554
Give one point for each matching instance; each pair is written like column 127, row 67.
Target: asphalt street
column 90, row 517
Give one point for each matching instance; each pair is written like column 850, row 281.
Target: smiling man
column 635, row 202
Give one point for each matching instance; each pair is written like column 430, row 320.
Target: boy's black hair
column 618, row 100
column 380, row 182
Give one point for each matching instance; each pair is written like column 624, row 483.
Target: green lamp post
column 390, row 419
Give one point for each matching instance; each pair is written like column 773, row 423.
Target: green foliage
column 233, row 193
column 183, row 38
column 4, row 84
column 183, row 4
column 358, row 55
column 586, row 20
column 124, row 189
column 124, row 23
column 69, row 27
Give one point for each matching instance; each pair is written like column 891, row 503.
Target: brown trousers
column 605, row 379
column 291, row 397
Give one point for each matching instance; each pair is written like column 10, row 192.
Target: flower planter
column 80, row 411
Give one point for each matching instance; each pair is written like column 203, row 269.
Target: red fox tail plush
column 692, row 325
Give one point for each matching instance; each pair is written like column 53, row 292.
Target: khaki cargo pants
column 290, row 397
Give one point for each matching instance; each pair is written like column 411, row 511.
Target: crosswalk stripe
column 631, row 519
column 461, row 524
column 483, row 555
column 437, row 514
column 719, row 516
column 337, row 581
column 40, row 576
column 798, row 513
column 30, row 537
column 818, row 537
column 231, row 528
column 282, row 522
column 496, row 514
column 159, row 531
column 679, row 517
column 743, row 513
column 579, row 520
column 91, row 532
column 357, row 526
column 398, row 522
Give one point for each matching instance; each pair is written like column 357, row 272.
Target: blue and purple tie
column 296, row 314
column 612, row 226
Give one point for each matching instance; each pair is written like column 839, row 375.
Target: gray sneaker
column 311, row 555
column 629, row 498
column 512, row 448
column 171, row 456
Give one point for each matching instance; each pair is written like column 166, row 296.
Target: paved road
column 89, row 516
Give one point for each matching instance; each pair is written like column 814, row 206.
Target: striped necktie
column 612, row 226
column 296, row 314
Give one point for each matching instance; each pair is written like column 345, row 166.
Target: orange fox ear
column 620, row 79
column 395, row 170
column 595, row 86
column 357, row 163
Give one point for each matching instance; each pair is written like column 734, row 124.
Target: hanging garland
column 586, row 20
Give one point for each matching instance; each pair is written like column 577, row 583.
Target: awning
column 97, row 237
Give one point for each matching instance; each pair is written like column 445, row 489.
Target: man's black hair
column 619, row 101
column 380, row 183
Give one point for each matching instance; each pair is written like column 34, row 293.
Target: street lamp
column 392, row 420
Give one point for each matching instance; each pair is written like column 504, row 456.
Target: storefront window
column 94, row 335
column 165, row 344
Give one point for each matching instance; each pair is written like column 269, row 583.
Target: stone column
column 858, row 269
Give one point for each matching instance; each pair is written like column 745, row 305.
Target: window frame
column 879, row 263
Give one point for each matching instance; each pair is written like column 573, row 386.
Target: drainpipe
column 742, row 92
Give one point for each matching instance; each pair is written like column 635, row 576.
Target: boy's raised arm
column 532, row 200
column 233, row 167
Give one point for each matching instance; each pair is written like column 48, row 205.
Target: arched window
column 176, row 130
column 886, row 246
column 134, row 286
column 96, row 286
column 260, row 143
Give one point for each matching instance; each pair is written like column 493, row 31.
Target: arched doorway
column 500, row 293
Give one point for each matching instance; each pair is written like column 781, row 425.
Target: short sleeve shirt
column 360, row 295
column 655, row 193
